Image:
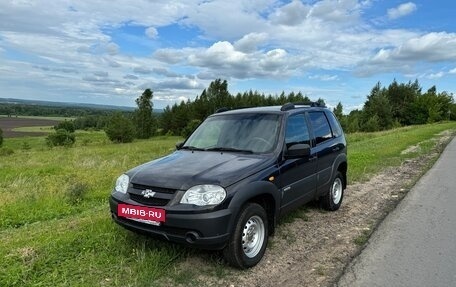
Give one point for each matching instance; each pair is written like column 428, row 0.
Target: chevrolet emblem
column 148, row 193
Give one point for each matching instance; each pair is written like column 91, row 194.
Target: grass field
column 55, row 226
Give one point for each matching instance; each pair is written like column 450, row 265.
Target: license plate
column 141, row 213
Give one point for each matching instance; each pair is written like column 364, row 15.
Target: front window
column 255, row 133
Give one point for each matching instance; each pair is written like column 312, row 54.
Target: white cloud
column 437, row 75
column 151, row 32
column 402, row 10
column 250, row 42
column 257, row 39
column 430, row 48
column 291, row 14
column 142, row 70
column 228, row 20
column 324, row 77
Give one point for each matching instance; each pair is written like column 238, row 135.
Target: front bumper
column 209, row 230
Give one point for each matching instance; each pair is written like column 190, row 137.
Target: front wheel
column 333, row 199
column 248, row 242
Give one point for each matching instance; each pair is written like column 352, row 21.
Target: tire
column 244, row 249
column 333, row 199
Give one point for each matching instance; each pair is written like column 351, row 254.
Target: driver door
column 298, row 176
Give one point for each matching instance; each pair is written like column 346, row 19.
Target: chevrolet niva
column 227, row 185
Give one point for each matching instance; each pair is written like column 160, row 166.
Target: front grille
column 153, row 201
column 154, row 188
column 161, row 197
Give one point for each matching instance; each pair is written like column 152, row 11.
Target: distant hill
column 68, row 105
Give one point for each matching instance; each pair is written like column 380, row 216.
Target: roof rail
column 291, row 106
column 287, row 107
column 221, row 110
column 311, row 104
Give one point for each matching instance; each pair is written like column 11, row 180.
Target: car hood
column 184, row 169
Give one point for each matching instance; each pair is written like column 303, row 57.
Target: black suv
column 226, row 186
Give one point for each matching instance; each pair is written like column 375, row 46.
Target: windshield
column 254, row 133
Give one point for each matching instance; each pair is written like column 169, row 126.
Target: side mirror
column 179, row 145
column 297, row 151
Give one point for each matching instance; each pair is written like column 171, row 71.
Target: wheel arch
column 263, row 193
column 340, row 165
column 342, row 168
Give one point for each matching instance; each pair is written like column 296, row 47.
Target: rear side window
column 335, row 126
column 320, row 126
column 297, row 132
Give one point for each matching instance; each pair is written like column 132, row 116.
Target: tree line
column 183, row 118
column 12, row 110
column 399, row 104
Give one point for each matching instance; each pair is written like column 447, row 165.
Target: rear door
column 326, row 149
column 298, row 176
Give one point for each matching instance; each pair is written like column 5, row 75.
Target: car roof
column 291, row 108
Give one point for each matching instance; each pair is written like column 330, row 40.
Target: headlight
column 202, row 195
column 122, row 183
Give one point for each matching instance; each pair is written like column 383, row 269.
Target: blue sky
column 108, row 52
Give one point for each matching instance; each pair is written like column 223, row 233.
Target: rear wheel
column 333, row 199
column 248, row 242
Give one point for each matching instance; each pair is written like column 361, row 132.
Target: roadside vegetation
column 55, row 226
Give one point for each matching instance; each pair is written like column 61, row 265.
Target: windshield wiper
column 229, row 149
column 192, row 148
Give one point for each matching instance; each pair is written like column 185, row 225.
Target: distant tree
column 217, row 94
column 1, row 137
column 401, row 98
column 377, row 104
column 95, row 122
column 119, row 128
column 61, row 137
column 452, row 112
column 66, row 125
column 353, row 121
column 190, row 128
column 143, row 117
column 338, row 111
column 321, row 102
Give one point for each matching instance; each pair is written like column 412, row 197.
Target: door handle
column 312, row 158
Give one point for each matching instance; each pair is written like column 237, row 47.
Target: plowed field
column 8, row 124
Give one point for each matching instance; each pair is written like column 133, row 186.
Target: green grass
column 41, row 129
column 368, row 153
column 361, row 239
column 55, row 226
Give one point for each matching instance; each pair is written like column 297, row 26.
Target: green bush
column 75, row 192
column 120, row 129
column 65, row 125
column 1, row 137
column 61, row 137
